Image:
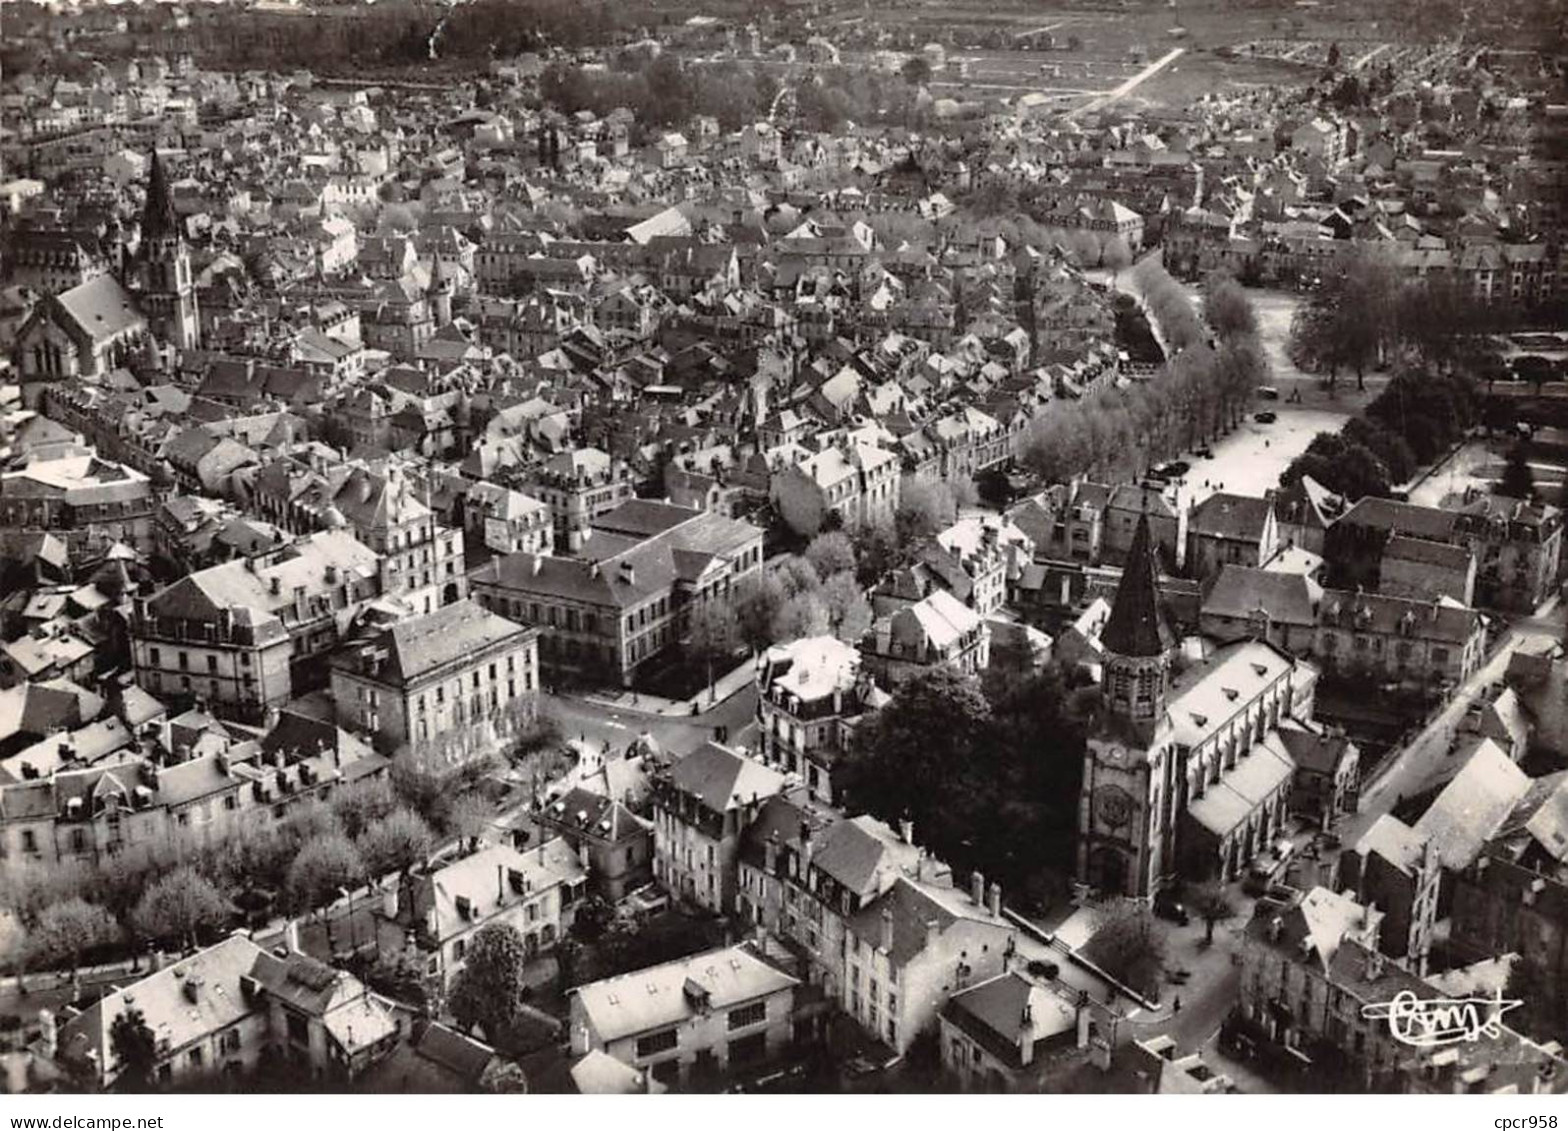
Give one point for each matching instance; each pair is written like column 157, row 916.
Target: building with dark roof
column 1229, row 529
column 701, row 807
column 883, row 929
column 436, row 1059
column 1419, row 644
column 448, row 685
column 629, row 594
column 617, row 843
column 1517, row 545
column 1006, row 1033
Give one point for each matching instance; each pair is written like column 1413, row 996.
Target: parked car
column 1204, row 453
column 645, row 901
column 1265, row 417
column 1167, row 906
column 1268, row 392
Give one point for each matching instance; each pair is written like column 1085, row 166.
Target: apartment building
column 420, row 559
column 579, row 486
column 1422, row 644
column 251, row 634
column 936, row 630
column 847, row 485
column 886, row 934
column 691, row 1020
column 80, row 499
column 228, row 1009
column 537, row 891
column 629, row 595
column 447, row 686
column 701, row 807
column 810, row 694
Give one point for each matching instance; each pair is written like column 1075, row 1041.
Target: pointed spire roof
column 1135, row 627
column 158, row 218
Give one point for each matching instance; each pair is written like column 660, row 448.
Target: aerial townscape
column 787, row 546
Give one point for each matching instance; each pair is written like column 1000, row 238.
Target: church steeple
column 158, row 218
column 168, row 291
column 1137, row 642
column 1135, row 627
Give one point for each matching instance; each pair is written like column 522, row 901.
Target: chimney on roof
column 275, row 586
column 933, row 931
column 994, row 900
column 770, row 853
column 906, row 831
column 1276, row 926
column 628, row 573
column 536, row 564
column 977, row 887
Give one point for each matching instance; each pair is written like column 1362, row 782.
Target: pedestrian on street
column 1176, row 1006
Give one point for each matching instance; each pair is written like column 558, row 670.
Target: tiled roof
column 1473, row 806
column 723, row 779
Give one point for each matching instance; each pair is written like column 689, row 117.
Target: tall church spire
column 168, row 292
column 1135, row 627
column 1137, row 644
column 158, row 218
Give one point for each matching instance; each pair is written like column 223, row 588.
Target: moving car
column 1265, row 417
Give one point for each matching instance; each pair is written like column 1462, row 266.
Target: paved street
column 1251, row 459
column 620, row 726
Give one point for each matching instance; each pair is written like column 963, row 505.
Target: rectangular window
column 655, row 1043
column 752, row 1014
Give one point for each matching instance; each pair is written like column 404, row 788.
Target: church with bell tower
column 1187, row 776
column 167, row 290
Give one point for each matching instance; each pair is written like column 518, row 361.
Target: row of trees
column 1168, row 305
column 1412, row 422
column 1203, row 391
column 1117, row 433
column 76, row 909
column 662, row 92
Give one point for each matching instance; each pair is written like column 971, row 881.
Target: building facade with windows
column 810, row 694
column 251, row 634
column 701, row 807
column 433, row 683
column 537, row 891
column 629, row 596
column 691, row 1020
